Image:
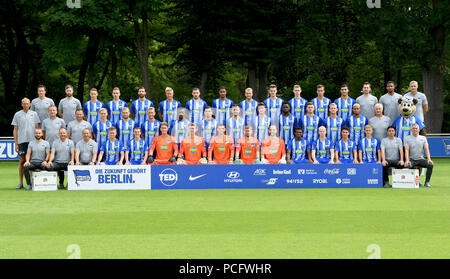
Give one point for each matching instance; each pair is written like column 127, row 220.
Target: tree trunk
column 203, row 80
column 262, row 70
column 90, row 50
column 386, row 70
column 105, row 72
column 399, row 81
column 142, row 44
column 251, row 78
column 113, row 66
column 91, row 75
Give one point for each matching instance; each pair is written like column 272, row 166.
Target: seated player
column 391, row 154
column 192, row 148
column 137, row 149
column 322, row 150
column 112, row 149
column 221, row 148
column 62, row 152
column 86, row 150
column 38, row 153
column 273, row 150
column 248, row 148
column 369, row 147
column 415, row 146
column 345, row 149
column 165, row 146
column 299, row 149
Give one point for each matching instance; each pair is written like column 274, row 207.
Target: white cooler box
column 45, row 181
column 405, row 178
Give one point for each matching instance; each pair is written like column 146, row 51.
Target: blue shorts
column 346, row 161
column 323, row 160
column 304, row 161
column 367, row 162
column 111, row 163
column 133, row 162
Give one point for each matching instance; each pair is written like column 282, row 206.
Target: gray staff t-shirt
column 68, row 107
column 380, row 126
column 26, row 124
column 41, row 107
column 422, row 98
column 76, row 128
column 390, row 106
column 416, row 146
column 62, row 150
column 51, row 128
column 38, row 150
column 86, row 149
column 367, row 105
column 391, row 148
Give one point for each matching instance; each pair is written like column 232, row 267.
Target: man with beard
column 51, row 126
column 68, row 105
column 140, row 106
column 390, row 102
column 37, row 155
column 63, row 153
column 76, row 127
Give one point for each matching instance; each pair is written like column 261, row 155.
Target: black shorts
column 23, row 148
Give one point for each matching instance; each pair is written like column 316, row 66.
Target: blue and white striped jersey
column 150, row 130
column 194, row 109
column 137, row 149
column 298, row 109
column 125, row 130
column 321, row 107
column 115, row 110
column 91, row 110
column 310, row 126
column 298, row 149
column 334, row 127
column 248, row 111
column 369, row 149
column 356, row 126
column 235, row 129
column 169, row 110
column 345, row 107
column 111, row 151
column 222, row 110
column 139, row 109
column 261, row 128
column 101, row 131
column 208, row 129
column 274, row 110
column 345, row 149
column 286, row 125
column 323, row 148
column 179, row 129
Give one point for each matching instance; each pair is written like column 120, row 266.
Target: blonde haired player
column 222, row 147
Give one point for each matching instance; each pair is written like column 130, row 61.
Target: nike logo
column 192, row 178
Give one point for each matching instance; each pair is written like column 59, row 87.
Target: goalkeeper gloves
column 150, row 159
column 173, row 159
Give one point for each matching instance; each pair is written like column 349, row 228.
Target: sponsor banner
column 7, row 150
column 266, row 176
column 104, row 177
column 439, row 147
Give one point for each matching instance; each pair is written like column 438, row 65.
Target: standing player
column 140, row 106
column 299, row 149
column 235, row 125
column 403, row 124
column 367, row 101
column 169, row 107
column 391, row 154
column 150, row 128
column 273, row 150
column 63, row 154
column 51, row 126
column 415, row 146
column 195, row 108
column 379, row 122
column 221, row 107
column 92, row 107
column 221, row 148
column 248, row 107
column 115, row 106
column 321, row 103
column 113, row 149
column 287, row 121
column 262, row 123
column 422, row 104
column 390, row 102
column 86, row 150
column 192, row 148
column 41, row 103
column 369, row 147
column 344, row 103
column 208, row 126
column 38, row 153
column 322, row 150
column 68, row 105
column 179, row 127
column 356, row 123
column 345, row 149
column 75, row 128
column 248, row 148
column 334, row 124
column 298, row 106
column 273, row 105
column 125, row 127
column 25, row 121
column 101, row 127
column 136, row 152
column 310, row 123
column 165, row 147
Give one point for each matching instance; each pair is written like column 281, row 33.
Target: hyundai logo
column 233, row 174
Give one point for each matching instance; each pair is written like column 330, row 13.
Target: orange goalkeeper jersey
column 273, row 149
column 247, row 149
column 192, row 149
column 165, row 148
column 222, row 148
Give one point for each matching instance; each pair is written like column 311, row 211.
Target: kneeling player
column 221, row 148
column 322, row 150
column 273, row 150
column 247, row 150
column 137, row 149
column 345, row 149
column 299, row 149
column 369, row 147
column 112, row 149
column 165, row 146
column 192, row 148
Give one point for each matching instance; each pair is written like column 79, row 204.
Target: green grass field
column 243, row 223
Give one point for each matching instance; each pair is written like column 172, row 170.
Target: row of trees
column 237, row 43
